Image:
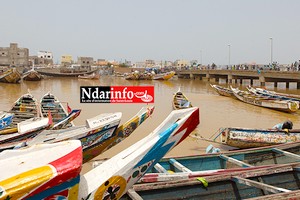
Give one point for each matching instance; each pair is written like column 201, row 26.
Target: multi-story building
column 14, row 56
column 43, row 58
column 85, row 62
column 66, row 60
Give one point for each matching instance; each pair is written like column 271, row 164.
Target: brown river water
column 215, row 111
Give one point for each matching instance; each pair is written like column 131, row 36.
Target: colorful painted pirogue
column 61, row 118
column 25, row 130
column 32, row 75
column 10, row 76
column 94, row 75
column 97, row 139
column 114, row 177
column 180, row 101
column 266, row 102
column 48, row 171
column 223, row 91
column 5, row 119
column 248, row 138
column 272, row 94
column 52, row 171
column 272, row 182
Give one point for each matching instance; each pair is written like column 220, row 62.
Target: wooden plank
column 262, row 186
column 133, row 195
column 160, row 168
column 235, row 161
column 286, row 195
column 286, row 153
column 179, row 166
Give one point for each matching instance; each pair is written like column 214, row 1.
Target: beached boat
column 25, row 129
column 187, row 167
column 223, row 91
column 24, row 108
column 180, row 101
column 65, row 72
column 32, row 75
column 5, row 119
column 164, row 76
column 50, row 102
column 266, row 102
column 248, row 138
column 272, row 94
column 90, row 76
column 139, row 76
column 48, row 171
column 10, row 76
column 114, row 177
column 272, row 182
column 98, row 139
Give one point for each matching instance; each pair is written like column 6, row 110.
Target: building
column 14, row 56
column 85, row 62
column 66, row 60
column 43, row 58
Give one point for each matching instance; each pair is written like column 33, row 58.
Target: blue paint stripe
column 56, row 189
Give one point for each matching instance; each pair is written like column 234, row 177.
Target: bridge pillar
column 275, row 84
column 298, row 85
column 287, row 85
column 207, row 77
column 262, row 80
column 192, row 76
column 251, row 81
column 241, row 81
column 236, row 81
column 229, row 79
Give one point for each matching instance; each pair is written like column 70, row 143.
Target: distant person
column 287, row 125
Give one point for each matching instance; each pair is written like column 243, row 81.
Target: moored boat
column 90, row 76
column 272, row 94
column 10, row 76
column 45, row 171
column 164, row 76
column 49, row 102
column 272, row 182
column 32, row 75
column 119, row 173
column 223, row 91
column 24, row 108
column 248, row 138
column 266, row 102
column 65, row 73
column 180, row 101
column 202, row 165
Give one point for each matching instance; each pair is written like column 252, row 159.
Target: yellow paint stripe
column 17, row 186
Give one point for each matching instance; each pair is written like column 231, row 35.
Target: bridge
column 234, row 75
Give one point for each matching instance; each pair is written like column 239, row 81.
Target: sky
column 159, row 30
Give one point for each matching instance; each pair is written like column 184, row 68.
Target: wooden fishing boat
column 114, row 177
column 202, row 165
column 98, row 139
column 266, row 102
column 47, row 171
column 24, row 108
column 272, row 94
column 223, row 91
column 5, row 119
column 139, row 76
column 64, row 73
column 10, row 76
column 273, row 182
column 32, row 75
column 50, row 102
column 180, row 101
column 164, row 76
column 89, row 76
column 25, row 130
column 248, row 138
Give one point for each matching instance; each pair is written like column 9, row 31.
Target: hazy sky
column 156, row 29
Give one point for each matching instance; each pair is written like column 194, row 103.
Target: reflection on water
column 215, row 111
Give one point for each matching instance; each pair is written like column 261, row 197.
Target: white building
column 46, row 55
